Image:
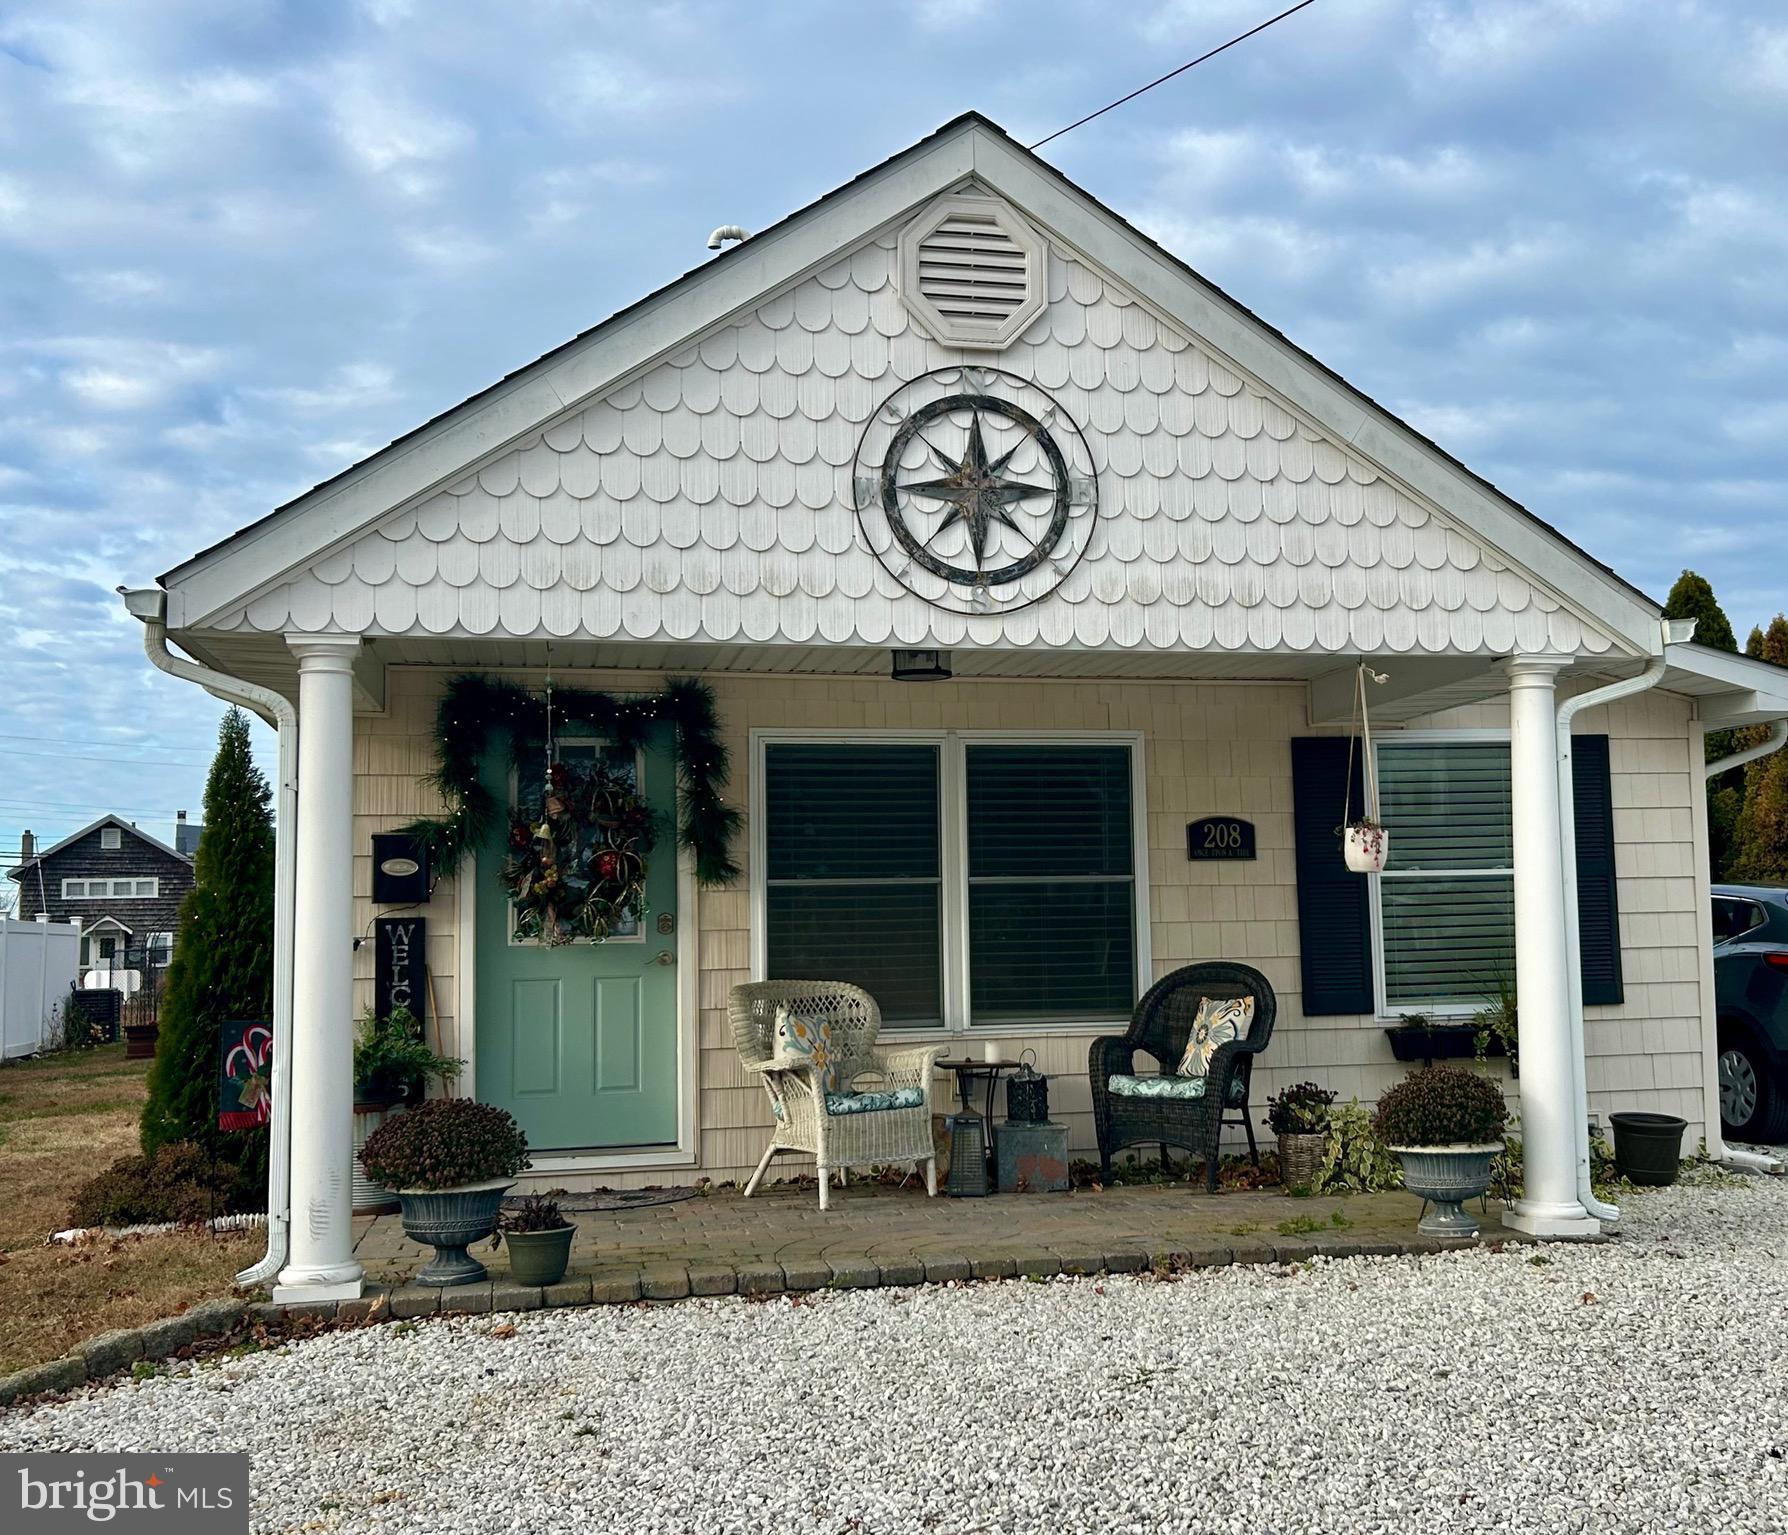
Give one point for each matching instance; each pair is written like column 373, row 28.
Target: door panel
column 579, row 1042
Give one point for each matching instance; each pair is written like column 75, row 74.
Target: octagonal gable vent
column 972, row 271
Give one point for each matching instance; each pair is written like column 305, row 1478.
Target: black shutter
column 1598, row 908
column 1334, row 913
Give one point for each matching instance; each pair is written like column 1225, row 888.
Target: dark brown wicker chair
column 1159, row 1027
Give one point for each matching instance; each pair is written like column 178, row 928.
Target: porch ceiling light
column 921, row 665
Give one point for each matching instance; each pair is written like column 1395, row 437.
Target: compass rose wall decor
column 975, row 489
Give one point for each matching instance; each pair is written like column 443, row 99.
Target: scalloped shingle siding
column 710, row 500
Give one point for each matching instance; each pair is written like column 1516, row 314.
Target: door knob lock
column 664, row 957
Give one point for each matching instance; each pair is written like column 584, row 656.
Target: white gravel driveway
column 1637, row 1387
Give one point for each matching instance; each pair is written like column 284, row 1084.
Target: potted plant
column 1299, row 1116
column 392, row 1066
column 1497, row 1024
column 1365, row 844
column 449, row 1161
column 1445, row 1126
column 539, row 1239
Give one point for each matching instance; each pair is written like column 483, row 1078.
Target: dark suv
column 1750, row 934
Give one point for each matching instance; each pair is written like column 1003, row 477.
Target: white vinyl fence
column 38, row 962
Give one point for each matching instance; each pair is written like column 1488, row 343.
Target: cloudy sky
column 242, row 243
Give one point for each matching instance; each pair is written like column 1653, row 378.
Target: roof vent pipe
column 725, row 233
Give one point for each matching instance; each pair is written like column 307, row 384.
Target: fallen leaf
column 1589, row 1297
column 503, row 1330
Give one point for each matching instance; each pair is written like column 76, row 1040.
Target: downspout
column 1717, row 1149
column 1673, row 632
column 150, row 605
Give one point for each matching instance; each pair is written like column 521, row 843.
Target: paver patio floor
column 901, row 1231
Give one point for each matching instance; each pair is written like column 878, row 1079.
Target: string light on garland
column 478, row 712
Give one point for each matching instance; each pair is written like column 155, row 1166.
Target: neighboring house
column 121, row 885
column 959, row 407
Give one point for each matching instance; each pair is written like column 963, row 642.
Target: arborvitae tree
column 1760, row 842
column 1693, row 597
column 223, row 961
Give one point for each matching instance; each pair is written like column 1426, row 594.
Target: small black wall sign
column 400, row 870
column 400, row 966
column 1219, row 836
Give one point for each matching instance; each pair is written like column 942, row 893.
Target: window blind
column 1447, row 896
column 852, row 881
column 1051, row 876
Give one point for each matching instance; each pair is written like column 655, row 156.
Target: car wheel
column 1753, row 1106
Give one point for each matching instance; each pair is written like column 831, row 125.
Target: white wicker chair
column 804, row 1119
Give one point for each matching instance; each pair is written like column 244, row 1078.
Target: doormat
column 612, row 1199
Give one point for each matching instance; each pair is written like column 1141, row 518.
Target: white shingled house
column 1031, row 577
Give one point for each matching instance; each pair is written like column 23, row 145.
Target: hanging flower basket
column 1365, row 845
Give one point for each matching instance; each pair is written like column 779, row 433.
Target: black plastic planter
column 1648, row 1147
column 1439, row 1042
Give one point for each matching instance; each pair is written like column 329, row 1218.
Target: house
column 1013, row 552
column 123, row 886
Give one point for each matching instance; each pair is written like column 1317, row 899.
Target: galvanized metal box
column 1032, row 1158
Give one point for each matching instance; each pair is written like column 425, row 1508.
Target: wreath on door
column 579, row 871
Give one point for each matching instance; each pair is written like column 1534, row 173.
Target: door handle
column 664, row 957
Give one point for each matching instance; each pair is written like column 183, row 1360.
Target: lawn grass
column 62, row 1119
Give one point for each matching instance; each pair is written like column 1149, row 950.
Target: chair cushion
column 1218, row 1021
column 1126, row 1086
column 868, row 1103
column 805, row 1042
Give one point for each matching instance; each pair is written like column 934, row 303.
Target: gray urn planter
column 539, row 1257
column 1447, row 1176
column 450, row 1220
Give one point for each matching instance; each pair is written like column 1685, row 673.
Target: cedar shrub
column 222, row 967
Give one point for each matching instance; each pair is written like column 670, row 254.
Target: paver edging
column 112, row 1353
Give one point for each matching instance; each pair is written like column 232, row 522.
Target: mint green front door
column 579, row 1042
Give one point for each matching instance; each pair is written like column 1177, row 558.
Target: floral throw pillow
column 803, row 1042
column 1219, row 1020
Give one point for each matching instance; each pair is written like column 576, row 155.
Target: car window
column 1733, row 918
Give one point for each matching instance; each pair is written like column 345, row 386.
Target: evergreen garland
column 474, row 709
column 223, row 963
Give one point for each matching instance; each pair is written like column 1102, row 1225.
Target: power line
column 1189, row 64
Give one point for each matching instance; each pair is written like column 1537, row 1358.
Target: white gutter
column 1778, row 738
column 1675, row 631
column 1717, row 1149
column 150, row 605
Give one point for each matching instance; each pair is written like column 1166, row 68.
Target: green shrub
column 1353, row 1157
column 179, row 1183
column 1441, row 1106
column 536, row 1212
column 444, row 1143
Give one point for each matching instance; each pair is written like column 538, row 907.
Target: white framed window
column 964, row 878
column 158, row 949
column 110, row 889
column 1443, row 910
column 110, row 838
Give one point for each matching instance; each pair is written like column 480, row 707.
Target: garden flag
column 245, row 1060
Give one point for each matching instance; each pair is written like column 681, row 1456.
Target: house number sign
column 1219, row 836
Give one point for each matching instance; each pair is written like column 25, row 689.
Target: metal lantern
column 968, row 1157
column 1027, row 1095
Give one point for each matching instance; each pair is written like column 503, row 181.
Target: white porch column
column 1542, row 961
column 322, row 1265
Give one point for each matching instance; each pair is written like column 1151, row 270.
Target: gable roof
column 105, row 820
column 444, row 449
